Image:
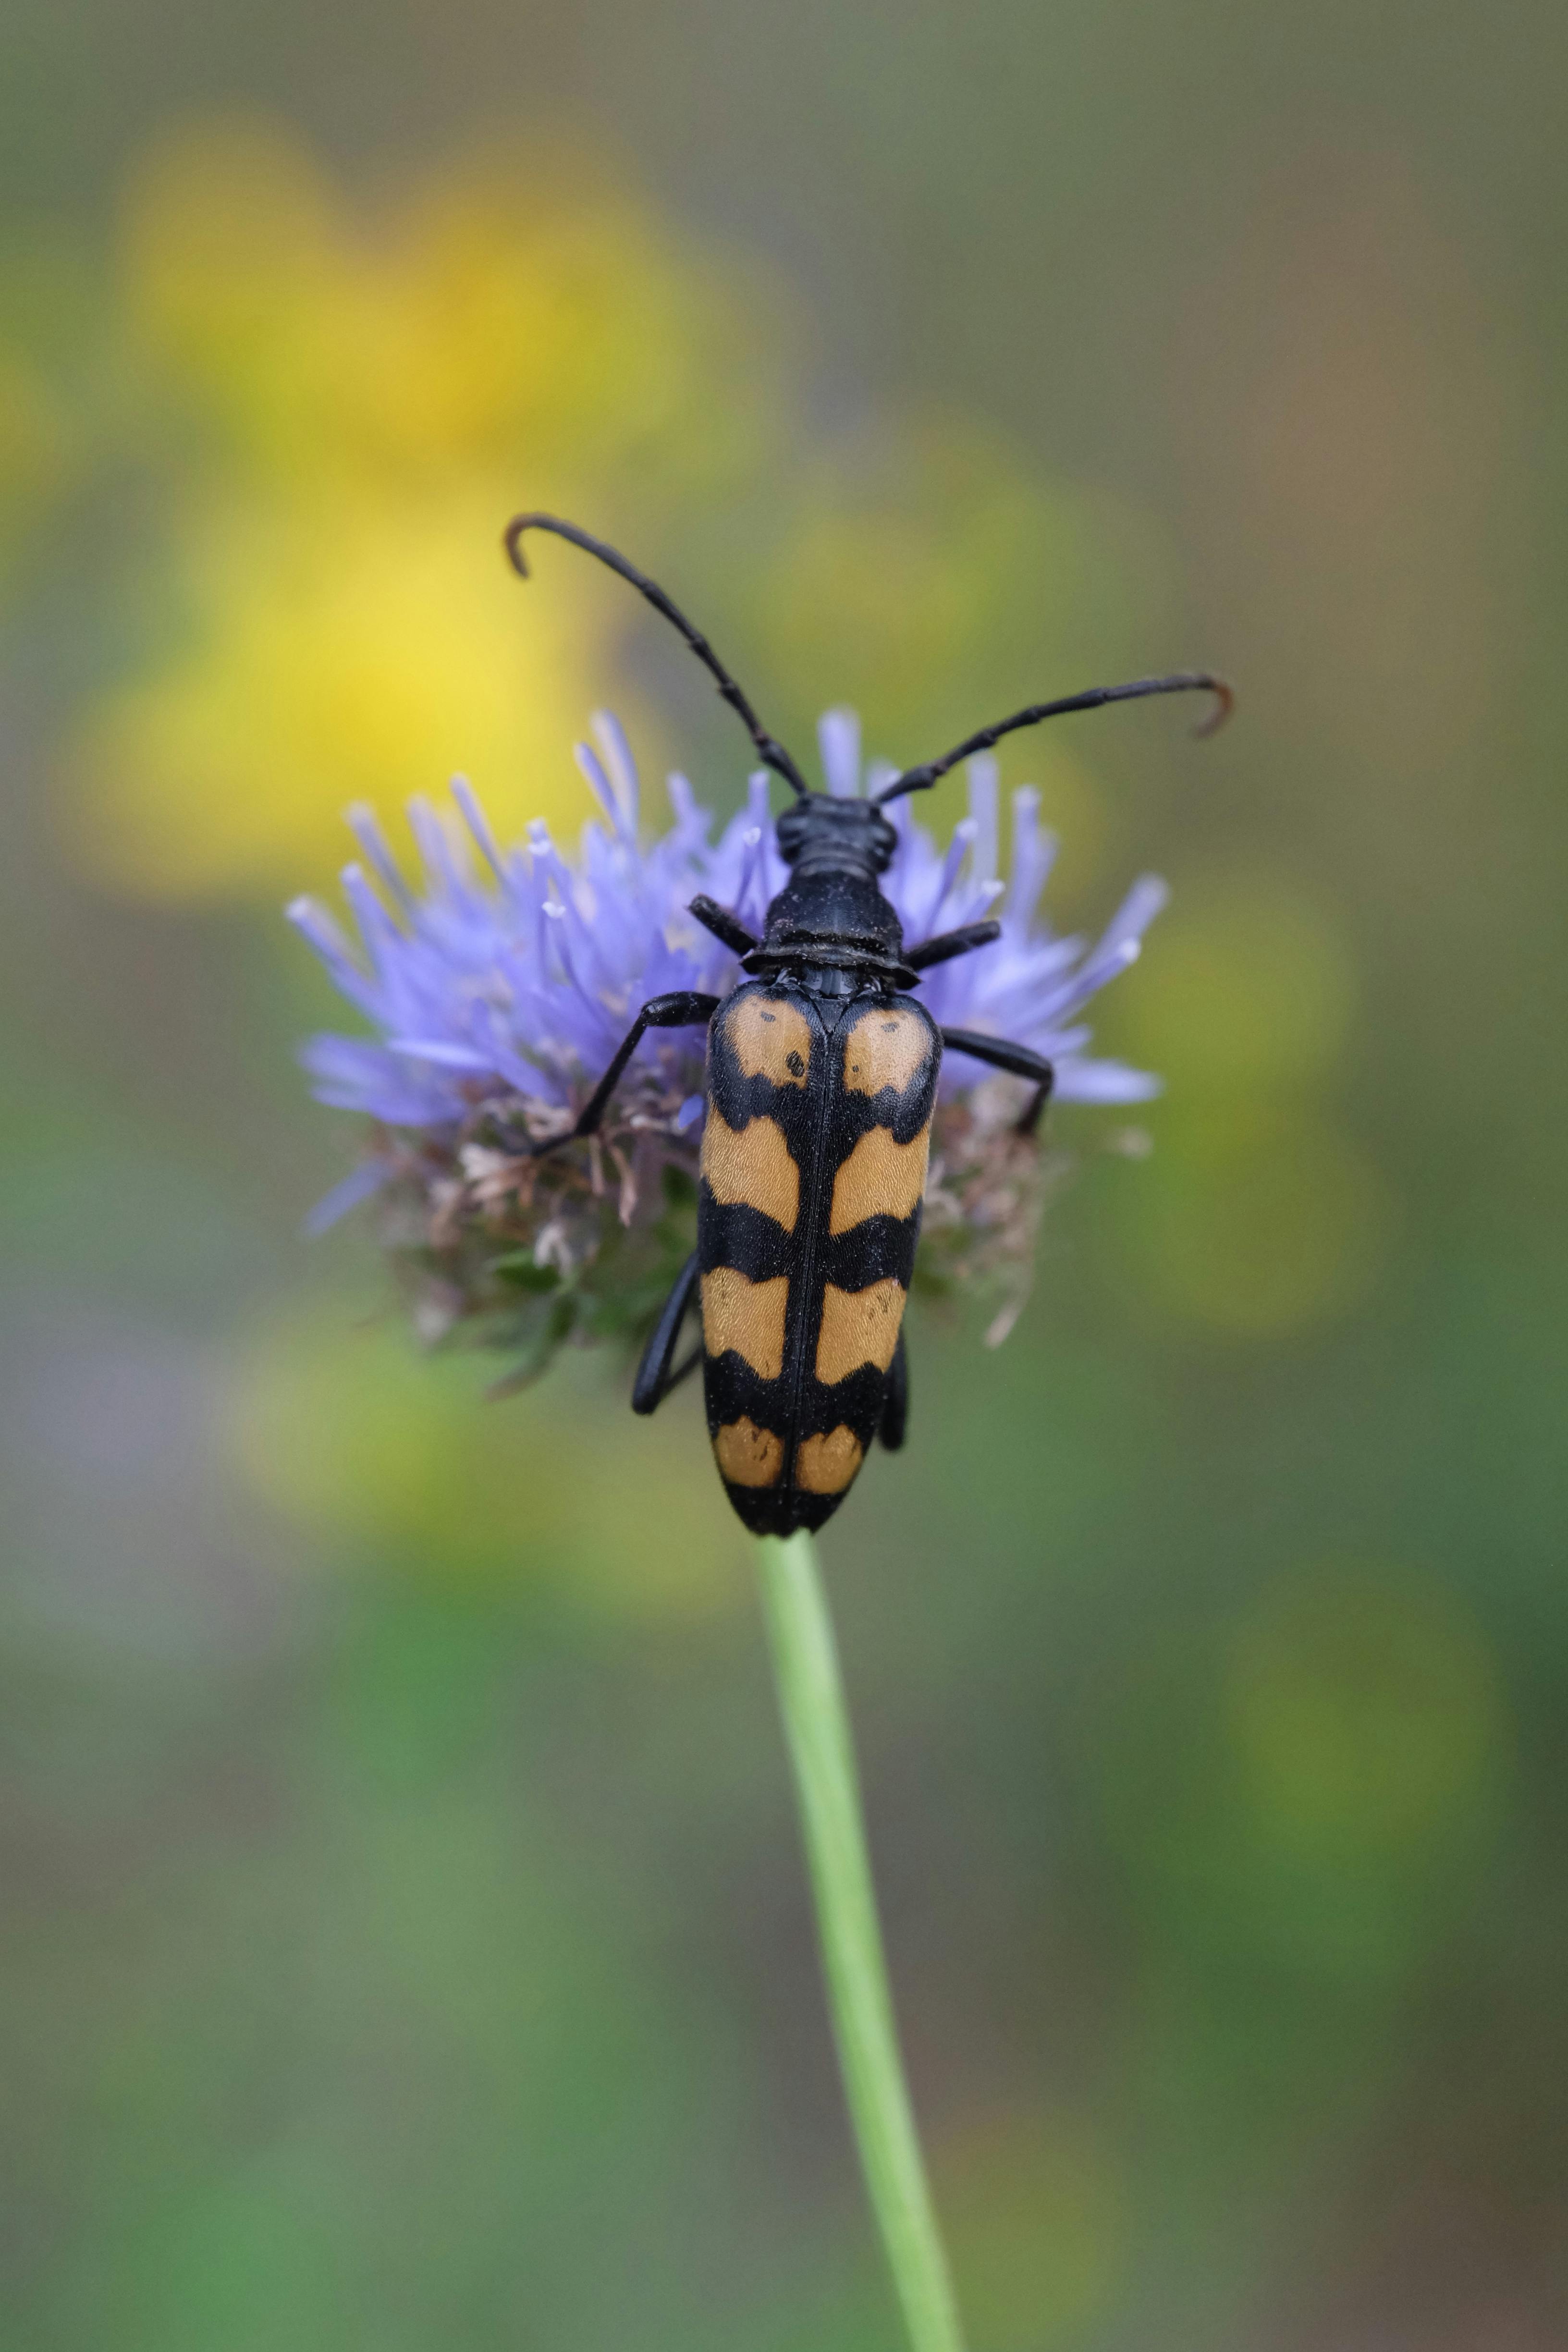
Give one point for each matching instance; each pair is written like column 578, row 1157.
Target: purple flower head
column 499, row 987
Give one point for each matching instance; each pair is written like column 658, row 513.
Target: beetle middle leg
column 948, row 944
column 655, row 1376
column 1021, row 1060
column 686, row 1008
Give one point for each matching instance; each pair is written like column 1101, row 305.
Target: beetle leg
column 1021, row 1060
column 948, row 944
column 654, row 1378
column 895, row 1400
column 685, row 1009
column 722, row 924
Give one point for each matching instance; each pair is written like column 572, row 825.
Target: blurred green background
column 404, row 1939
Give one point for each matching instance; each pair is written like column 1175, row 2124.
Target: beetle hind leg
column 658, row 1374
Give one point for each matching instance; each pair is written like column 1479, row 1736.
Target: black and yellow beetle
column 822, row 1077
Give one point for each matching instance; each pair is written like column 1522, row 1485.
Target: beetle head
column 826, row 835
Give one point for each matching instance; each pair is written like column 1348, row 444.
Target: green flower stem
column 811, row 1695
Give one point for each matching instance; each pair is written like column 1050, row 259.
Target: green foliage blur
column 404, row 1941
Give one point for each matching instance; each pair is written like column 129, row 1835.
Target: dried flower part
column 501, row 989
column 985, row 1195
column 495, row 1246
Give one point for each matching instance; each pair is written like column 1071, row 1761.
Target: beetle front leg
column 1020, row 1060
column 686, row 1008
column 722, row 924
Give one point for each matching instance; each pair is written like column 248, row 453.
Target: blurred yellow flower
column 512, row 312
column 1257, row 990
column 934, row 580
column 392, row 1459
column 1367, row 1712
column 352, row 648
column 341, row 403
column 1260, row 1214
column 349, row 407
column 1312, row 1783
column 34, row 449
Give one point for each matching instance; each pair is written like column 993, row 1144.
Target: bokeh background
column 404, row 1938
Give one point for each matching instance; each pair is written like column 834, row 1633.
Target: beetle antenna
column 771, row 752
column 1183, row 681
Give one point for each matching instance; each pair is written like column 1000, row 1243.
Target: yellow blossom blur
column 349, row 407
column 515, row 310
column 1256, row 990
column 34, row 448
column 1258, row 1213
column 343, row 403
column 934, row 580
column 1366, row 1711
column 350, row 1433
column 1314, row 1787
column 360, row 650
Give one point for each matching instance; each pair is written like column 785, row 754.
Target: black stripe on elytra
column 857, row 1400
column 732, row 1233
column 740, row 1099
column 731, row 1389
column 870, row 1251
column 906, row 1113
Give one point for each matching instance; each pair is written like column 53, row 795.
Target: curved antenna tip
column 1181, row 681
column 1224, row 703
column 512, row 539
column 771, row 752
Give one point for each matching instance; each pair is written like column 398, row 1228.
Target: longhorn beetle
column 822, row 1074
